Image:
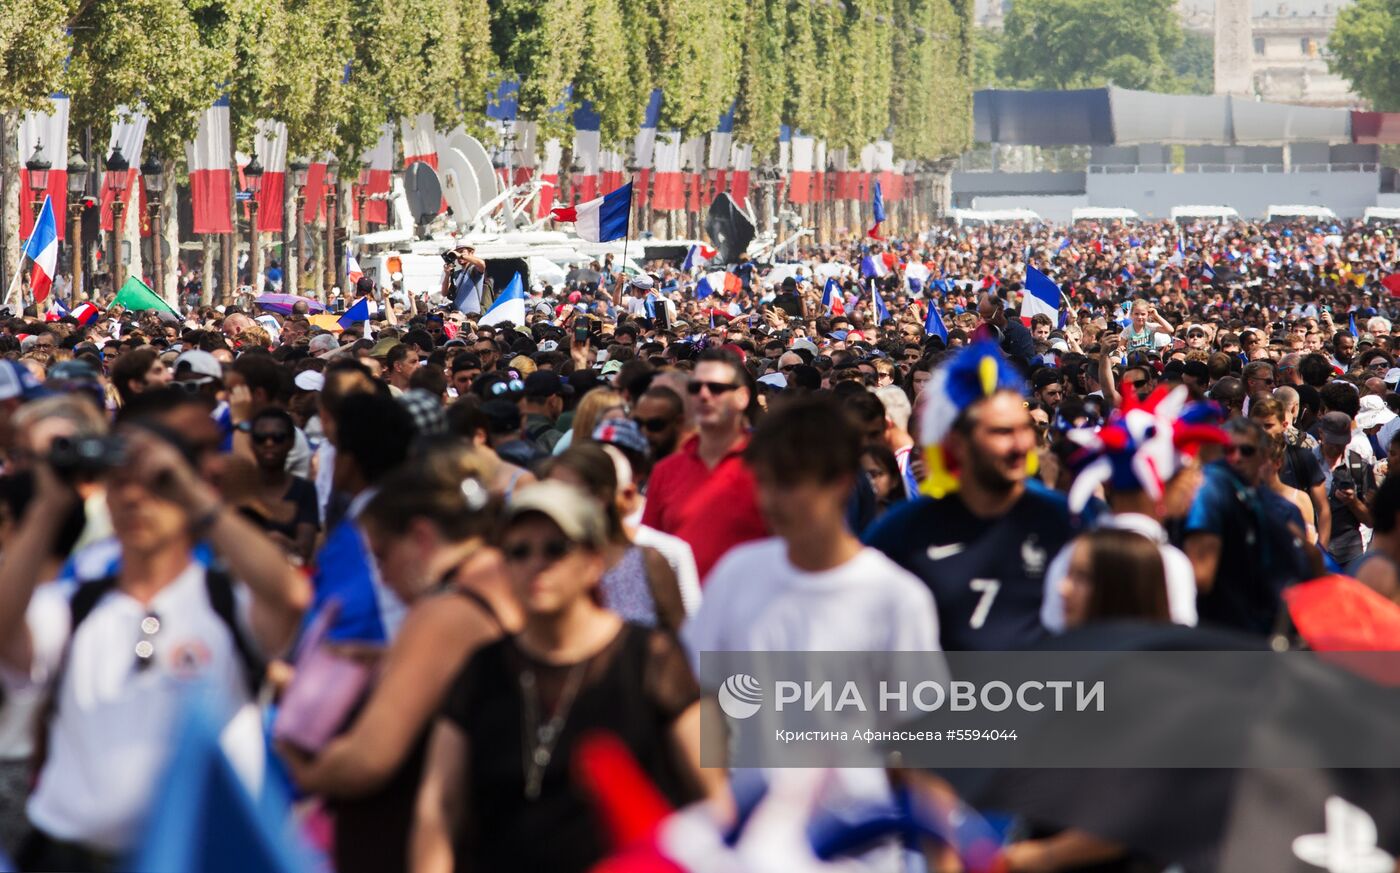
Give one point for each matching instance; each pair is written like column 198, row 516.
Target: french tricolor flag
column 86, row 313
column 56, row 310
column 353, row 273
column 418, row 140
column 668, row 191
column 600, row 220
column 721, row 147
column 130, row 134
column 741, row 163
column 587, row 150
column 549, row 177
column 381, row 164
column 697, row 256
column 211, row 182
column 42, row 249
column 644, row 145
column 877, row 208
column 1041, row 297
column 49, row 130
column 719, row 282
column 873, row 267
column 270, row 141
column 832, row 300
column 800, row 183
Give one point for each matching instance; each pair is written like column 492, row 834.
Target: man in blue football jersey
column 984, row 548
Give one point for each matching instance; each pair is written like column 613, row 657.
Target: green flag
column 137, row 295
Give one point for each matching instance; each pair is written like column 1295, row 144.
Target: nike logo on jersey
column 938, row 553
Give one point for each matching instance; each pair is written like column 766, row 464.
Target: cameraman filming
column 464, row 280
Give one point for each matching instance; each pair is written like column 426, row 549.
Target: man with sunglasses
column 660, row 413
column 704, row 493
column 1237, row 547
column 1350, row 483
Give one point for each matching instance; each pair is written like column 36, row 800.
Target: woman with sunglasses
column 498, row 792
column 283, row 505
column 639, row 584
column 428, row 529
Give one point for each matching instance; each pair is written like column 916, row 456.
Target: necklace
column 538, row 740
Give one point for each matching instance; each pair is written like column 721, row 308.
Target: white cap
column 310, row 380
column 1392, row 376
column 1373, row 412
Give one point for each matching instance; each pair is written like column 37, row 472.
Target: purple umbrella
column 282, row 303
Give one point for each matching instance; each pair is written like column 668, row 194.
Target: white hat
column 777, row 380
column 310, row 380
column 1392, row 376
column 1373, row 412
column 198, row 363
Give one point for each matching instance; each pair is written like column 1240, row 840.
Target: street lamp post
column 332, row 177
column 362, row 195
column 117, row 168
column 253, row 173
column 153, row 174
column 38, row 169
column 291, row 246
column 77, row 187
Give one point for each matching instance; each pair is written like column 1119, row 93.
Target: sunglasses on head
column 551, row 551
column 716, row 388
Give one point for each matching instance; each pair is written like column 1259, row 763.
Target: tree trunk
column 291, row 247
column 211, row 252
column 9, row 195
column 318, row 261
column 169, row 239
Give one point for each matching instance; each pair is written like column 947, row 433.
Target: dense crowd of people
column 416, row 561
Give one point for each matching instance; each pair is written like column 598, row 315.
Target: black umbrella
column 1278, row 820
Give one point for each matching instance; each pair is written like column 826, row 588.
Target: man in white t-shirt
column 123, row 654
column 813, row 587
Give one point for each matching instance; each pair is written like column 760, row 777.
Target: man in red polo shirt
column 704, row 493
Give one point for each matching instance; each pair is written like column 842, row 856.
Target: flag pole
column 622, row 268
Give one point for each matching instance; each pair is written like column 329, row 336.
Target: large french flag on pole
column 1041, row 297
column 50, row 130
column 270, row 141
column 211, row 182
column 721, row 147
column 42, row 249
column 130, row 134
column 668, row 191
column 418, row 140
column 741, row 164
column 800, row 183
column 602, row 219
column 587, row 149
column 877, row 207
column 381, row 165
column 549, row 177
column 644, row 145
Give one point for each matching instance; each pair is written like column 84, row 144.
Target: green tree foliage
column 695, row 60
column 763, row 75
column 608, row 76
column 33, row 45
column 540, row 45
column 1089, row 43
column 1194, row 64
column 1361, row 49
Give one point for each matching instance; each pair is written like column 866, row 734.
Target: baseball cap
column 1196, row 370
column 546, row 383
column 1392, row 376
column 1335, row 428
column 623, row 433
column 644, row 282
column 382, row 347
column 576, row 514
column 611, row 367
column 777, row 380
column 17, row 382
column 364, row 285
column 197, row 364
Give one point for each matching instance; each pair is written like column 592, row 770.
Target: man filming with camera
column 120, row 655
column 464, row 280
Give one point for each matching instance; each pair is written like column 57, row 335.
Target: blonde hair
column 523, row 365
column 590, row 412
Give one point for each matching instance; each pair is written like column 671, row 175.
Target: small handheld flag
column 1351, row 324
column 831, row 297
column 933, row 323
column 697, row 256
column 1042, row 296
column 873, row 267
column 357, row 313
column 86, row 313
column 601, row 220
column 56, row 310
column 510, row 306
column 882, row 314
column 352, row 268
column 877, row 208
column 42, row 249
